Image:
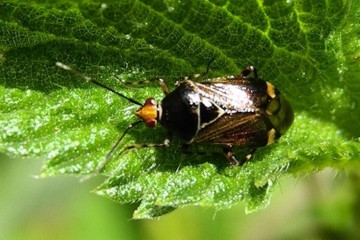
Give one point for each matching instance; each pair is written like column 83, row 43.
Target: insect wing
column 241, row 129
column 234, row 96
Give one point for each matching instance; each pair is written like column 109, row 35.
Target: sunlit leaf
column 309, row 49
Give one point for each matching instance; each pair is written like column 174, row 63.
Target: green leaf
column 309, row 49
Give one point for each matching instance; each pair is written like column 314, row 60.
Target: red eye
column 151, row 123
column 150, row 102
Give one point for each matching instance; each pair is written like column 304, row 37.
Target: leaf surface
column 310, row 50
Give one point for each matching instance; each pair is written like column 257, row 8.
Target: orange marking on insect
column 148, row 112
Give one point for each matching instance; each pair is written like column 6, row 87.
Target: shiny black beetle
column 229, row 111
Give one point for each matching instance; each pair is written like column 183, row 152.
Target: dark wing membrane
column 240, row 129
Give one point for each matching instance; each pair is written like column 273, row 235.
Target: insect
column 235, row 111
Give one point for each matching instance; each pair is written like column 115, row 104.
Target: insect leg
column 232, row 159
column 248, row 157
column 185, row 150
column 230, row 156
column 247, row 71
column 161, row 82
column 145, row 145
column 208, row 67
column 199, row 76
column 164, row 87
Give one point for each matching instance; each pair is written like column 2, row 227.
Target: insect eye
column 150, row 102
column 151, row 123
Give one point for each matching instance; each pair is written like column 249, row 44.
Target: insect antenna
column 89, row 79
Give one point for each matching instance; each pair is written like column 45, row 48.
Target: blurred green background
column 321, row 206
